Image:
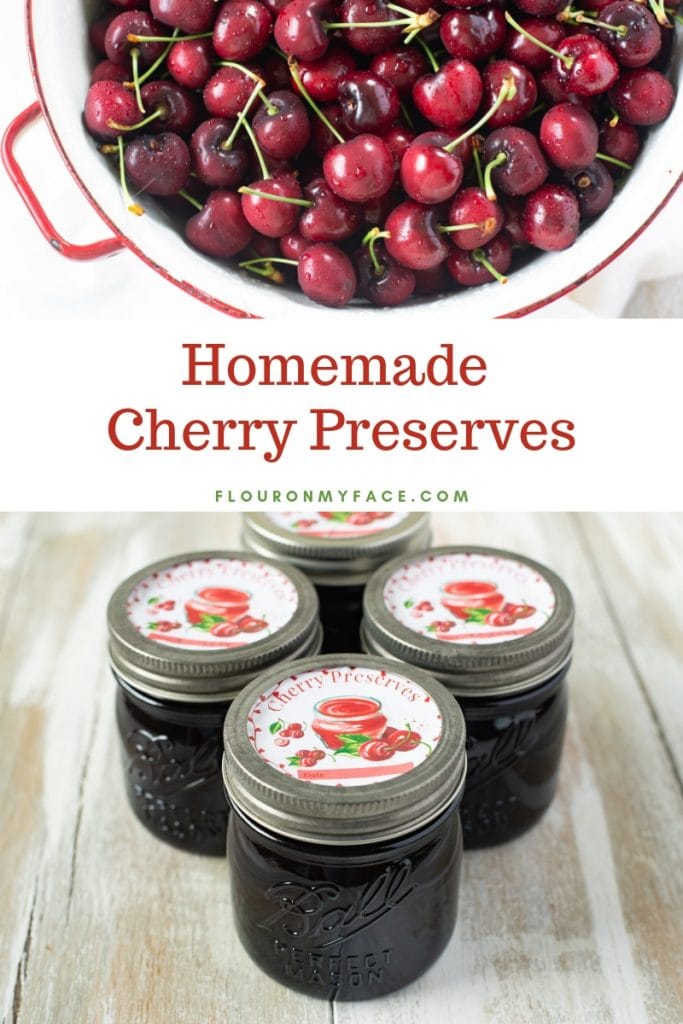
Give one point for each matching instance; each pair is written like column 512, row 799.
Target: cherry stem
column 581, row 18
column 406, row 115
column 566, row 59
column 227, row 143
column 614, row 119
column 161, row 111
column 674, row 14
column 394, row 23
column 294, row 72
column 265, row 173
column 247, row 71
column 264, row 266
column 658, row 9
column 508, row 91
column 133, row 207
column 476, row 160
column 479, row 257
column 613, row 160
column 483, row 225
column 489, row 190
column 135, row 61
column 370, row 240
column 157, row 63
column 132, row 38
column 277, row 199
column 428, row 53
column 191, row 199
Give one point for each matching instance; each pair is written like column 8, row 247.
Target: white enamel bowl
column 62, row 80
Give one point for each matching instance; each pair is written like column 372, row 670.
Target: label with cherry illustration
column 344, row 726
column 212, row 603
column 469, row 598
column 336, row 525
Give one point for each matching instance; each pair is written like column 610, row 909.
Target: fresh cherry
column 322, row 77
column 471, row 206
column 449, row 97
column 216, row 163
column 550, row 219
column 138, row 23
column 190, row 62
column 368, row 103
column 176, row 108
column 642, row 97
column 228, row 90
column 414, row 238
column 241, row 30
column 330, row 218
column 516, row 107
column 282, row 127
column 326, row 275
column 158, row 164
column 381, row 280
column 569, row 136
column 369, row 40
column 594, row 188
column 272, row 217
column 189, row 16
column 473, row 35
column 480, row 266
column 519, row 47
column 360, row 169
column 524, row 168
column 585, row 66
column 299, row 28
column 107, row 106
column 401, row 68
column 429, row 174
column 634, row 37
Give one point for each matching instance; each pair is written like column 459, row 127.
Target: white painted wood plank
column 639, row 561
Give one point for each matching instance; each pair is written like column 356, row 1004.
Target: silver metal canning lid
column 173, row 673
column 337, row 815
column 330, row 561
column 469, row 669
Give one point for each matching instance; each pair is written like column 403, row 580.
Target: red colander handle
column 105, row 247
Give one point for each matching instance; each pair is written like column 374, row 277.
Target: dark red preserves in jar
column 345, row 845
column 186, row 634
column 338, row 551
column 496, row 628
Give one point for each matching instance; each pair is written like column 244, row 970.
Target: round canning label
column 212, row 603
column 336, row 525
column 344, row 726
column 469, row 598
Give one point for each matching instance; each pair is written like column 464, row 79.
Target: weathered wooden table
column 579, row 921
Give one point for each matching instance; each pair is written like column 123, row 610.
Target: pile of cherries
column 378, row 150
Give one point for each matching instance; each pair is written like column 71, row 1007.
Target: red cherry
column 225, row 629
column 569, row 136
column 108, row 104
column 428, row 173
column 376, row 750
column 326, row 275
column 299, row 29
column 322, row 77
column 643, row 97
column 471, row 206
column 405, row 739
column 360, row 169
column 220, row 229
column 451, row 96
column 190, row 63
column 272, row 217
column 308, row 762
column 468, row 269
column 241, row 30
column 499, row 619
column 414, row 238
column 592, row 68
column 550, row 219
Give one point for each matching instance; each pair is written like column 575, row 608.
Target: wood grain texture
column 581, row 920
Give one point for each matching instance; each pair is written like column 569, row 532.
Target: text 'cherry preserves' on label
column 212, row 603
column 344, row 726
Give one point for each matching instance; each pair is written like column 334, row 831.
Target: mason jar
column 496, row 629
column 185, row 635
column 338, row 552
column 344, row 774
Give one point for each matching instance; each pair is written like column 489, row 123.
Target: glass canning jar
column 185, row 635
column 338, row 551
column 496, row 629
column 345, row 845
